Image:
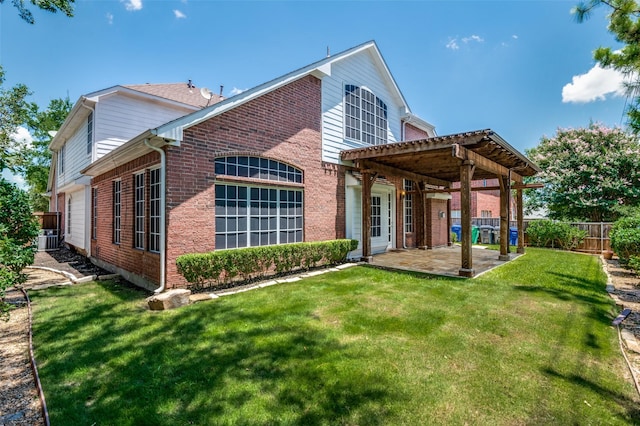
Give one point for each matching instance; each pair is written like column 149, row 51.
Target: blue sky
column 521, row 68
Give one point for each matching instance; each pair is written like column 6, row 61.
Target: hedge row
column 225, row 266
column 548, row 233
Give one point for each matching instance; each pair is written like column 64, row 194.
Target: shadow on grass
column 205, row 364
column 571, row 288
column 632, row 410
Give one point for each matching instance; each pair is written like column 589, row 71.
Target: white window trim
column 380, row 134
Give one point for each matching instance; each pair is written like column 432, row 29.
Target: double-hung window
column 260, row 213
column 408, row 205
column 365, row 116
column 139, row 211
column 94, row 208
column 117, row 210
column 154, row 210
column 90, row 132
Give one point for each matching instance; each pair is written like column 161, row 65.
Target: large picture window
column 248, row 216
column 138, row 201
column 257, row 215
column 365, row 116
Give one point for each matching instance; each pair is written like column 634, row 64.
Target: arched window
column 258, row 168
column 365, row 116
column 257, row 214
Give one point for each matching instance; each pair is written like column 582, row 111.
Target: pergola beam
column 393, row 171
column 483, row 163
column 486, row 188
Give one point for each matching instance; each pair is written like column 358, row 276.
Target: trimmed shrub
column 625, row 239
column 224, row 266
column 548, row 233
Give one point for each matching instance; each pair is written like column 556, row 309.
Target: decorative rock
column 169, row 300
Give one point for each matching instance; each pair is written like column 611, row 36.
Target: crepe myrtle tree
column 18, row 230
column 589, row 174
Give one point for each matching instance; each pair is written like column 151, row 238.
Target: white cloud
column 179, row 14
column 17, row 179
column 132, row 5
column 473, row 38
column 22, row 138
column 594, row 85
column 453, row 44
column 109, row 18
column 515, row 37
column 236, row 91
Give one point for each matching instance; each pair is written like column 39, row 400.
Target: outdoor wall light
column 441, row 214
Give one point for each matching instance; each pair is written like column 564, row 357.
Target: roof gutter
column 163, row 215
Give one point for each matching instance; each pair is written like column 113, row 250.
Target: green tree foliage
column 36, row 159
column 53, row 6
column 624, row 23
column 14, row 111
column 18, row 229
column 588, row 173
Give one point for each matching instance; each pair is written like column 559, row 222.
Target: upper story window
column 258, row 168
column 90, row 132
column 365, row 116
column 61, row 159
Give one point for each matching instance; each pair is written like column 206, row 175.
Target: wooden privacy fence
column 597, row 239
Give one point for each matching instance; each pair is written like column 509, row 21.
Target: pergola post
column 367, row 182
column 421, row 216
column 466, row 174
column 449, row 222
column 505, row 191
column 520, row 211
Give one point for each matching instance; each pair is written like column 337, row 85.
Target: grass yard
column 528, row 343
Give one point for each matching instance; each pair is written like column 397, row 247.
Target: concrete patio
column 441, row 261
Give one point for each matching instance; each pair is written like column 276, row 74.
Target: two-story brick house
column 267, row 166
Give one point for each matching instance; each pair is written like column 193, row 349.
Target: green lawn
column 529, row 343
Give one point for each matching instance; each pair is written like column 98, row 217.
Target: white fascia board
column 52, row 170
column 77, row 184
column 77, row 113
column 388, row 76
column 414, row 120
column 119, row 156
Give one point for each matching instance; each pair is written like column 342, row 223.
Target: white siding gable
column 360, row 70
column 120, row 118
column 75, row 156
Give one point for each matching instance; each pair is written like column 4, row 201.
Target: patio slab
column 440, row 261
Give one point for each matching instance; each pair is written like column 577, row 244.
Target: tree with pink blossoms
column 589, row 174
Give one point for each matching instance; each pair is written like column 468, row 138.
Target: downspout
column 163, row 218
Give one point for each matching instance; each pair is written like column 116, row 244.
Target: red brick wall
column 412, row 133
column 480, row 200
column 284, row 125
column 437, row 237
column 140, row 262
column 62, row 208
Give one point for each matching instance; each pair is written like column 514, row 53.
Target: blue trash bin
column 457, row 229
column 513, row 236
